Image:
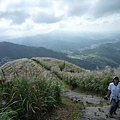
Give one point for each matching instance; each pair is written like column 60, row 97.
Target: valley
column 87, row 50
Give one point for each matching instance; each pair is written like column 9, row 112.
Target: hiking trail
column 95, row 108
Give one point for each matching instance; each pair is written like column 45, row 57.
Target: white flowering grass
column 32, row 76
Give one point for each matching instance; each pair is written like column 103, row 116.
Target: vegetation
column 91, row 59
column 15, row 51
column 25, row 100
column 32, row 88
column 68, row 110
column 101, row 56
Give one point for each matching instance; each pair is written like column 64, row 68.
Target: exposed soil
column 95, row 108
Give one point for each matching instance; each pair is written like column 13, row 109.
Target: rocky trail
column 95, row 108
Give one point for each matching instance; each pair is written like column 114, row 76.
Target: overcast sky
column 29, row 17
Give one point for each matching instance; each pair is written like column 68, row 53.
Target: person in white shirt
column 113, row 95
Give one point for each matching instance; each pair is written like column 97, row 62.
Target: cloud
column 45, row 18
column 104, row 8
column 92, row 8
column 26, row 16
column 17, row 17
column 78, row 7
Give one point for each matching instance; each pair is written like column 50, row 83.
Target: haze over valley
column 67, row 42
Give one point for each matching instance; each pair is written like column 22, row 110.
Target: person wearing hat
column 113, row 95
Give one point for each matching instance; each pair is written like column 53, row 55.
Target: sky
column 30, row 17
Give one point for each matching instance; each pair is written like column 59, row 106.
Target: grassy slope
column 46, row 68
column 62, row 71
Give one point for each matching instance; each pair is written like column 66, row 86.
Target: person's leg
column 113, row 106
column 116, row 107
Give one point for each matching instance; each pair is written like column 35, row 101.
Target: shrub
column 62, row 66
column 27, row 100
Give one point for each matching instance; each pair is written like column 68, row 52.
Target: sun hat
column 115, row 78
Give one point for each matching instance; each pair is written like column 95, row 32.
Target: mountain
column 99, row 57
column 67, row 42
column 14, row 51
column 105, row 55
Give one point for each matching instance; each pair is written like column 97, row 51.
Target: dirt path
column 96, row 108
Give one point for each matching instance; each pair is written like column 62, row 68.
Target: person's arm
column 108, row 94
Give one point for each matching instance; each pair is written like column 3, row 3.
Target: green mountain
column 11, row 51
column 15, row 51
column 105, row 55
column 99, row 57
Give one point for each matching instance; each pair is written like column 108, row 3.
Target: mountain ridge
column 63, row 41
column 87, row 59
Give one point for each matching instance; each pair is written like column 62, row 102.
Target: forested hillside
column 105, row 55
column 13, row 51
column 96, row 58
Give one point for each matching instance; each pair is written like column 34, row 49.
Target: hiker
column 113, row 95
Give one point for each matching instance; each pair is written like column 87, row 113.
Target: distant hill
column 10, row 51
column 105, row 55
column 99, row 57
column 15, row 51
column 63, row 41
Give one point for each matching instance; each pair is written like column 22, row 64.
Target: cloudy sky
column 29, row 17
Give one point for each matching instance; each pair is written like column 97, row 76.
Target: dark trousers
column 114, row 106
